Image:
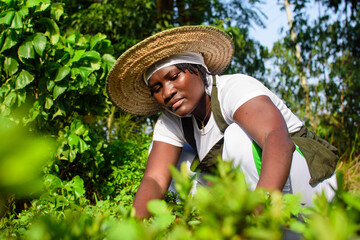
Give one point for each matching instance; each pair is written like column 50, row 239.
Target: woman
column 176, row 72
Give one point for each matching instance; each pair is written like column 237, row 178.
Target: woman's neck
column 203, row 111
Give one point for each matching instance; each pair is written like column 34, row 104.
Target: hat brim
column 125, row 85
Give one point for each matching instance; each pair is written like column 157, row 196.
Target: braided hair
column 192, row 69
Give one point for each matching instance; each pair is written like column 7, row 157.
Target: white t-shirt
column 233, row 91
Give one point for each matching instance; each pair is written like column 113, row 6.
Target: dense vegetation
column 71, row 163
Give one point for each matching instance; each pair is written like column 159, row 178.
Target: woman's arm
column 263, row 122
column 157, row 176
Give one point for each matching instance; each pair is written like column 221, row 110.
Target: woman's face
column 178, row 91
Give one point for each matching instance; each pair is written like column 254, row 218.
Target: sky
column 277, row 19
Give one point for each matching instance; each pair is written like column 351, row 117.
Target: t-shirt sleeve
column 168, row 129
column 239, row 89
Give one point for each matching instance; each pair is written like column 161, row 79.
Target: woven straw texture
column 125, row 84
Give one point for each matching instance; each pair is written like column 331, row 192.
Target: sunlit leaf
column 72, row 155
column 24, row 79
column 58, row 90
column 84, row 72
column 77, row 55
column 78, row 186
column 10, row 41
column 23, row 12
column 158, row 207
column 94, row 58
column 52, row 29
column 32, row 3
column 352, row 201
column 7, row 19
column 17, row 21
column 62, row 73
column 21, row 96
column 108, row 61
column 95, row 39
column 50, row 85
column 73, row 140
column 43, row 6
column 10, row 99
column 26, row 50
column 39, row 43
column 77, row 127
column 10, row 66
column 48, row 103
column 2, row 38
column 57, row 10
column 83, row 146
column 52, row 181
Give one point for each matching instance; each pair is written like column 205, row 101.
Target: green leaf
column 352, row 200
column 10, row 41
column 78, row 127
column 73, row 140
column 17, row 21
column 21, row 96
column 94, row 58
column 43, row 6
column 10, row 99
column 24, row 79
column 39, row 43
column 72, row 155
column 62, row 73
column 57, row 10
column 85, row 72
column 52, row 29
column 72, row 38
column 7, row 19
column 77, row 56
column 52, row 182
column 2, row 38
column 24, row 11
column 26, row 50
column 158, row 207
column 59, row 112
column 95, row 39
column 78, row 186
column 48, row 103
column 9, row 3
column 32, row 3
column 10, row 66
column 108, row 62
column 58, row 90
column 50, row 85
column 83, row 146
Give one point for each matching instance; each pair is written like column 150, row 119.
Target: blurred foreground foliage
column 226, row 210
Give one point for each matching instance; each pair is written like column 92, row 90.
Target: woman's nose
column 168, row 92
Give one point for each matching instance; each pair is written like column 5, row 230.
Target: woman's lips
column 177, row 104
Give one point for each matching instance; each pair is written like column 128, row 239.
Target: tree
column 330, row 56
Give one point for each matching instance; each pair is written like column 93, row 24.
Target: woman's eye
column 155, row 89
column 174, row 76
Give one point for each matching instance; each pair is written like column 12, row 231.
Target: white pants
column 238, row 147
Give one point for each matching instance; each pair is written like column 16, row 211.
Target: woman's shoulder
column 239, row 79
column 240, row 84
column 168, row 118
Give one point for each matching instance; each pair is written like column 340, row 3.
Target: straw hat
column 125, row 85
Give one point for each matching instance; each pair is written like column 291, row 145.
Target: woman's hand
column 263, row 122
column 157, row 176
